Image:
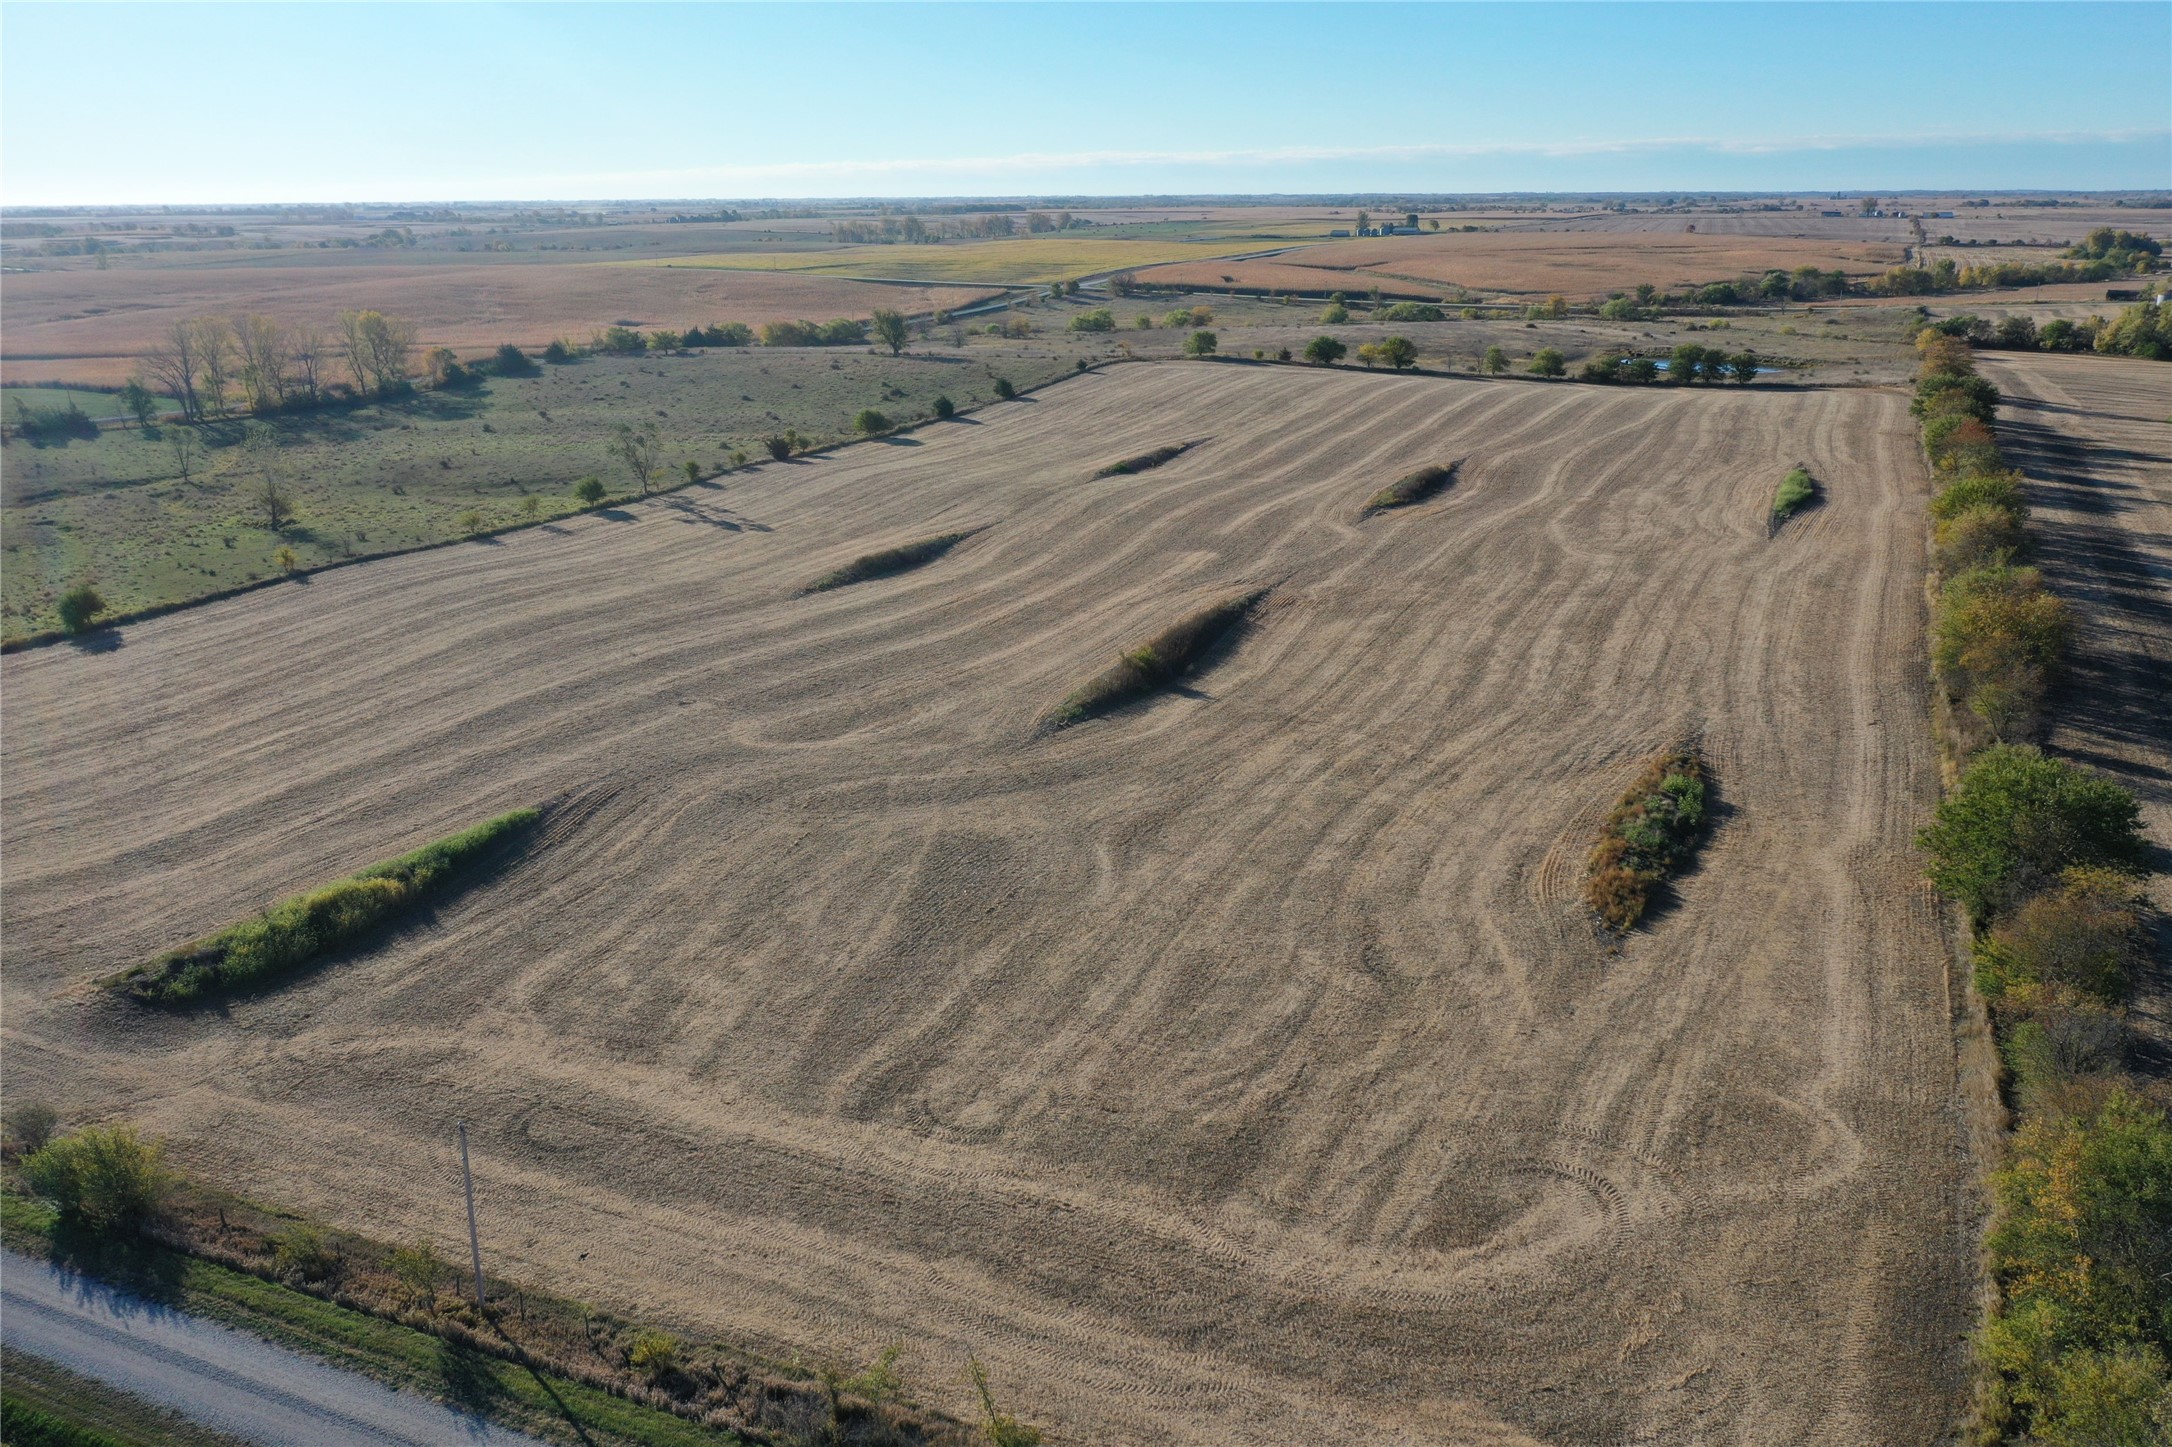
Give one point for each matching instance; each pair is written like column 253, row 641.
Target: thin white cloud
column 730, row 176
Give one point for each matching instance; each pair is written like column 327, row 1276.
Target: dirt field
column 1237, row 1070
column 2094, row 436
column 84, row 325
column 1576, row 264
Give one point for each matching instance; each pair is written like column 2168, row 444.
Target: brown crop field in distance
column 84, row 325
column 1575, row 264
column 1238, row 1068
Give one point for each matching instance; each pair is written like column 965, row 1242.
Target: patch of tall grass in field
column 1156, row 663
column 1797, row 491
column 1414, row 488
column 1146, row 461
column 253, row 954
column 885, row 562
column 1653, row 830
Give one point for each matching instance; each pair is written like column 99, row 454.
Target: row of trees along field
column 914, row 231
column 207, row 364
column 2048, row 860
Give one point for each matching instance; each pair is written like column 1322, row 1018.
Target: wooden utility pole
column 475, row 1244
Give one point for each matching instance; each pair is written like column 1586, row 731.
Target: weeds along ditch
column 2047, row 861
column 1651, row 834
column 1414, row 488
column 888, row 562
column 1158, row 663
column 403, row 1314
column 259, row 951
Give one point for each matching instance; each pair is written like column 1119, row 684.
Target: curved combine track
column 1238, row 1068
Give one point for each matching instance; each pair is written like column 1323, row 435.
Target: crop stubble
column 1237, row 1069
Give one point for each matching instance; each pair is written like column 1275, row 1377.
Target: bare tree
column 262, row 344
column 355, row 346
column 186, row 451
column 637, row 448
column 214, row 361
column 306, row 349
column 277, row 502
column 171, row 366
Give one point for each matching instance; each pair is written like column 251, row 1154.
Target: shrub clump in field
column 106, row 1178
column 1156, row 663
column 888, row 561
column 1797, row 491
column 79, row 608
column 298, row 929
column 1412, row 488
column 1651, row 833
column 1147, row 461
column 1983, row 536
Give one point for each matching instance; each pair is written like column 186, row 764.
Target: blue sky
column 111, row 103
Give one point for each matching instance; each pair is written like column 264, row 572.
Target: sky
column 119, row 104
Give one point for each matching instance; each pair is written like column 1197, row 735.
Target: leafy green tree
column 79, row 607
column 2017, row 821
column 1325, row 351
column 589, row 490
column 1101, row 319
column 890, row 330
column 869, row 421
column 1200, row 344
column 141, row 402
column 1398, row 352
column 1004, row 389
column 944, row 407
column 1549, row 363
column 1496, row 361
column 1745, row 367
column 1334, row 315
column 1687, row 362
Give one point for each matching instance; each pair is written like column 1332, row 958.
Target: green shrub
column 888, row 561
column 1334, row 314
column 1155, row 664
column 654, row 1353
column 302, row 1252
column 1955, row 393
column 29, row 1124
column 2017, row 821
column 945, row 408
column 2082, row 1248
column 1999, row 490
column 1412, row 311
column 1101, row 319
column 1325, row 351
column 300, row 928
column 1796, row 492
column 1982, row 536
column 589, row 490
column 558, row 353
column 511, row 361
column 1995, row 640
column 1495, row 362
column 1654, row 828
column 1548, row 363
column 1004, row 389
column 79, row 607
column 2086, row 935
column 869, row 421
column 106, row 1178
column 1200, row 344
column 1412, row 488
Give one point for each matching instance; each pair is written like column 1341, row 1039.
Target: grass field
column 1241, row 1067
column 381, row 478
column 94, row 404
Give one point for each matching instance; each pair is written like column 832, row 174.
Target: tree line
column 210, row 364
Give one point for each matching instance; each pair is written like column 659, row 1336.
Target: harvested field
column 84, row 325
column 1025, row 259
column 1241, row 1068
column 1576, row 264
column 2093, row 436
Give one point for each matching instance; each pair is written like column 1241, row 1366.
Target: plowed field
column 1237, row 1069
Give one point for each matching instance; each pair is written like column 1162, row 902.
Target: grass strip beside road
column 400, row 1356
